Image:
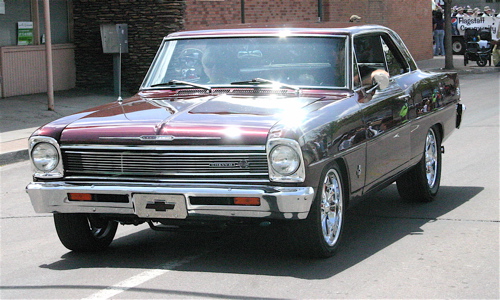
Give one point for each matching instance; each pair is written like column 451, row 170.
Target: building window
column 26, row 12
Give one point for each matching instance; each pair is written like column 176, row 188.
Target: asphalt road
column 445, row 249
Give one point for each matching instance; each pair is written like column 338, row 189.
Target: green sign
column 24, row 33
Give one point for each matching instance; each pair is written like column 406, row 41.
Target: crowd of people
column 467, row 11
column 458, row 11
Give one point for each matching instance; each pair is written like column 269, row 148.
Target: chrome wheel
column 421, row 182
column 320, row 234
column 331, row 207
column 431, row 158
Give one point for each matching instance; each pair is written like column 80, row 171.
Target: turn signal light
column 252, row 201
column 79, row 197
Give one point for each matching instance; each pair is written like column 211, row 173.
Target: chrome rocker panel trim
column 276, row 202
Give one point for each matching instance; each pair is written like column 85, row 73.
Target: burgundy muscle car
column 230, row 126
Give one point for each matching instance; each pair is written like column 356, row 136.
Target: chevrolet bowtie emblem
column 159, row 205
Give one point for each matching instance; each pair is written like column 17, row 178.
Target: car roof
column 270, row 30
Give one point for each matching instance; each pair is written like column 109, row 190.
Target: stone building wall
column 148, row 22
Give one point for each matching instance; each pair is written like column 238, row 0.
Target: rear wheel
column 319, row 235
column 84, row 232
column 457, row 46
column 421, row 183
column 482, row 60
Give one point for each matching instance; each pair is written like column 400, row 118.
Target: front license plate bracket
column 161, row 206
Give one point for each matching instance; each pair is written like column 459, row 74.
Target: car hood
column 205, row 120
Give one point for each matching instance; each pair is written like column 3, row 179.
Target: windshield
column 299, row 61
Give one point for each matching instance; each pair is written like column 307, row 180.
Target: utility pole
column 48, row 55
column 448, row 59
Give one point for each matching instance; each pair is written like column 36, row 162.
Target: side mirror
column 380, row 80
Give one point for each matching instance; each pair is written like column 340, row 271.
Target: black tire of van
column 458, row 45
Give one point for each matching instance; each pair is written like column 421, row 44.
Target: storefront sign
column 24, row 33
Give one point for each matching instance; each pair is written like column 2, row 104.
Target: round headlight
column 284, row 160
column 45, row 157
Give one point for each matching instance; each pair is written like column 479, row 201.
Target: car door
column 384, row 110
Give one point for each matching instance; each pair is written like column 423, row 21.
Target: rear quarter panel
column 434, row 97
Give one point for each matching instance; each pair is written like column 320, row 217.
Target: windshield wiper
column 180, row 82
column 257, row 81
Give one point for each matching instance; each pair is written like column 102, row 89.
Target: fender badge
column 156, row 137
column 242, row 164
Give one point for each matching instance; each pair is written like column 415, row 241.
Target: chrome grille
column 169, row 162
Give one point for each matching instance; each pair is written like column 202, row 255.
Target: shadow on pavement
column 371, row 226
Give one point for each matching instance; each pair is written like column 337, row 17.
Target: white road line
column 138, row 279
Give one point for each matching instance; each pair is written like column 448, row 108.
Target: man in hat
column 460, row 12
column 488, row 12
column 355, row 18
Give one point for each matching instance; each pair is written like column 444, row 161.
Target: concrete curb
column 13, row 157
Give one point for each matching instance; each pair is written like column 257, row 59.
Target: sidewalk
column 21, row 115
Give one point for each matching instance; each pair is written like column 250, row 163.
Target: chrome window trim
column 398, row 42
column 345, row 36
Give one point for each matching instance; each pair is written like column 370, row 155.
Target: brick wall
column 206, row 13
column 413, row 22
column 148, row 22
column 257, row 11
column 411, row 19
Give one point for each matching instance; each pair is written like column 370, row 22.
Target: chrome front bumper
column 275, row 202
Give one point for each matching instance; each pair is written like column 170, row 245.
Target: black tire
column 482, row 61
column 320, row 234
column 84, row 232
column 457, row 46
column 421, row 183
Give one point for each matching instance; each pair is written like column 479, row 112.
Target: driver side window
column 370, row 56
column 396, row 65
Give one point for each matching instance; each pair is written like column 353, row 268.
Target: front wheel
column 421, row 183
column 319, row 235
column 84, row 232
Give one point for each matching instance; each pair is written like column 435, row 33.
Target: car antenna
column 120, row 100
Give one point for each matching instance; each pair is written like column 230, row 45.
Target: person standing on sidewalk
column 438, row 27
